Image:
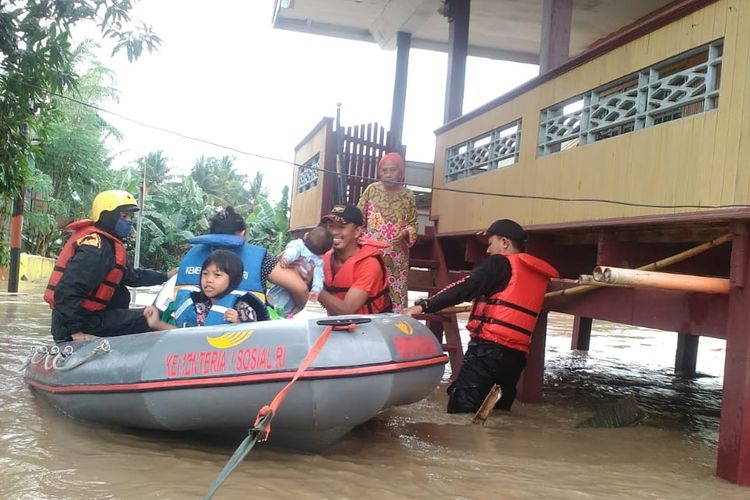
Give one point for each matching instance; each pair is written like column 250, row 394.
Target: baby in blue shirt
column 310, row 248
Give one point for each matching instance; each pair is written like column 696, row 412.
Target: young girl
column 217, row 301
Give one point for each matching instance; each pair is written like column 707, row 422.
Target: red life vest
column 340, row 283
column 100, row 298
column 509, row 316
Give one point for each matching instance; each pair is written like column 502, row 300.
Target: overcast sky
column 224, row 75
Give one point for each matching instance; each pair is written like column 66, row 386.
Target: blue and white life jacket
column 186, row 315
column 251, row 288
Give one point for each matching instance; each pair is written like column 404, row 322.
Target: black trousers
column 108, row 323
column 485, row 363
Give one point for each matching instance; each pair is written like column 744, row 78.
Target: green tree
column 256, row 191
column 217, row 177
column 72, row 161
column 157, row 170
column 175, row 211
column 268, row 225
column 37, row 58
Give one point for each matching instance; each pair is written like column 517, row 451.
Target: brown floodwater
column 415, row 451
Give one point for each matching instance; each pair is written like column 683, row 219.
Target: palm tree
column 217, row 177
column 157, row 170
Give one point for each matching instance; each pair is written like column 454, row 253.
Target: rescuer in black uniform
column 87, row 290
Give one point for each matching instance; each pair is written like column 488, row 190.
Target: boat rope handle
column 103, row 347
column 262, row 427
column 49, row 359
column 38, row 351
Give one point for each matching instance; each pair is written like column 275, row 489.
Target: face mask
column 123, row 227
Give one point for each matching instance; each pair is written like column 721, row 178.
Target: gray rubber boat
column 217, row 378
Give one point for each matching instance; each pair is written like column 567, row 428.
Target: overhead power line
column 433, row 188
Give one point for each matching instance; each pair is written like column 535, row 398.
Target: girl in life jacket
column 217, row 302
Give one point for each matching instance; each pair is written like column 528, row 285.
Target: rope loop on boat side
column 49, row 360
column 33, row 359
column 38, row 354
column 58, row 362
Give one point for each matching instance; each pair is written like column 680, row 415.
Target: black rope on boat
column 257, row 433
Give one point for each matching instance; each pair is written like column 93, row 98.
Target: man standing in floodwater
column 508, row 292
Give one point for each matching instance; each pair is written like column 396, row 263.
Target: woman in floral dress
column 390, row 212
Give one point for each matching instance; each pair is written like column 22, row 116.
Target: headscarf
column 396, row 159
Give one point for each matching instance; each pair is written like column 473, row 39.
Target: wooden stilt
column 734, row 439
column 532, row 380
column 581, row 338
column 686, row 357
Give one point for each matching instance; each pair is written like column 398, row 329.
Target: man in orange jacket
column 508, row 292
column 355, row 274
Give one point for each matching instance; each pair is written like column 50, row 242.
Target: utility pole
column 16, row 230
column 141, row 206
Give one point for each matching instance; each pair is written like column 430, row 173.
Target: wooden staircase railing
column 433, row 276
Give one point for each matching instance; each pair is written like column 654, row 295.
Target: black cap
column 345, row 214
column 504, row 227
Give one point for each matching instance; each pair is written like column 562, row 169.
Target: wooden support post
column 453, row 343
column 554, row 47
column 403, row 44
column 581, row 338
column 686, row 357
column 445, row 329
column 458, row 49
column 530, row 387
column 734, row 429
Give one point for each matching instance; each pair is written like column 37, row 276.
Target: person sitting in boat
column 355, row 276
column 228, row 231
column 87, row 290
column 218, row 301
column 309, row 249
column 508, row 291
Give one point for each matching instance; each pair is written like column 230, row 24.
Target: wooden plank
column 382, row 139
column 702, row 152
column 366, row 158
column 719, row 19
column 351, row 159
column 359, row 149
column 727, row 116
column 740, row 104
column 674, row 163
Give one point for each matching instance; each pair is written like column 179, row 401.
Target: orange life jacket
column 340, row 283
column 100, row 298
column 509, row 316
